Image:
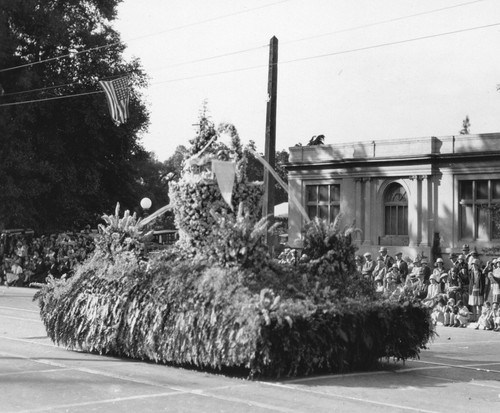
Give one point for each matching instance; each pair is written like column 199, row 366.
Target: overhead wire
column 395, row 19
column 72, row 54
column 125, row 73
column 258, row 47
column 392, row 43
column 283, row 62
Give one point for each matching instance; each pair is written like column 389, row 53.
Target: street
column 460, row 372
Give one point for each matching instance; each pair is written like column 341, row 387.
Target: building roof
column 418, row 149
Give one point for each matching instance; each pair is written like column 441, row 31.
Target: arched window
column 396, row 210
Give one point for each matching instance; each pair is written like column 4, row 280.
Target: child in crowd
column 450, row 313
column 463, row 315
column 438, row 312
column 496, row 316
column 486, row 319
column 454, row 285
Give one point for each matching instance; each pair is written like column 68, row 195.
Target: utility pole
column 270, row 145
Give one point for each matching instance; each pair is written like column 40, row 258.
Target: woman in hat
column 487, row 271
column 440, row 274
column 476, row 289
column 495, row 282
column 433, row 291
column 463, row 274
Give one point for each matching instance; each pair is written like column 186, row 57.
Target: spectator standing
column 476, row 289
column 487, row 271
column 368, row 266
column 463, row 274
column 379, row 274
column 388, row 260
column 454, row 285
column 495, row 282
column 402, row 266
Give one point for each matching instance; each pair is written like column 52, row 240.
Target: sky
column 348, row 69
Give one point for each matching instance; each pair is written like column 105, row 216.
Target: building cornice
column 409, row 160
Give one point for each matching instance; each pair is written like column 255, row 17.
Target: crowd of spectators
column 26, row 260
column 466, row 292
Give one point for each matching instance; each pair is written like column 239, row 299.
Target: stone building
column 425, row 196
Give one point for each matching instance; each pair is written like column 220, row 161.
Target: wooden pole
column 270, row 145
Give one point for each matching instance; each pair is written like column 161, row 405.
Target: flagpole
column 270, row 143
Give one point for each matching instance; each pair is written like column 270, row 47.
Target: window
column 477, row 197
column 323, row 201
column 396, row 210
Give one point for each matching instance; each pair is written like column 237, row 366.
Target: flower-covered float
column 216, row 300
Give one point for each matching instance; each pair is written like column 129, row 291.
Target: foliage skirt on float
column 210, row 318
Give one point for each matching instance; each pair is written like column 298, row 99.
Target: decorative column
column 413, row 211
column 425, row 210
column 360, row 206
column 368, row 207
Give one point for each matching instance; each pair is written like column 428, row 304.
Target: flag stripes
column 118, row 96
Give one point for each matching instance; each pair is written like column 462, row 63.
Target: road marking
column 351, row 398
column 462, row 366
column 13, row 373
column 22, row 340
column 471, row 383
column 452, row 343
column 18, row 309
column 178, row 390
column 336, row 376
column 20, row 318
column 97, row 402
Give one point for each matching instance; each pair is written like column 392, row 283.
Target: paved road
column 459, row 373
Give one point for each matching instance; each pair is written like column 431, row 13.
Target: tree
column 465, row 126
column 63, row 162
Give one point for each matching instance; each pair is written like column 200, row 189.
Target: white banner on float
column 225, row 173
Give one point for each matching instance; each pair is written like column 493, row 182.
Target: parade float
column 217, row 300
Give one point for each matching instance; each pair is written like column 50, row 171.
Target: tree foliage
column 65, row 158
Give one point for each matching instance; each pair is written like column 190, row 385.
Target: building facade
column 426, row 196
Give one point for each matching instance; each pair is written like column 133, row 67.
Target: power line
column 391, row 43
column 52, row 98
column 204, row 59
column 284, row 62
column 72, row 54
column 364, row 26
column 259, row 47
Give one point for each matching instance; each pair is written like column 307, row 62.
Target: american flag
column 117, row 95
